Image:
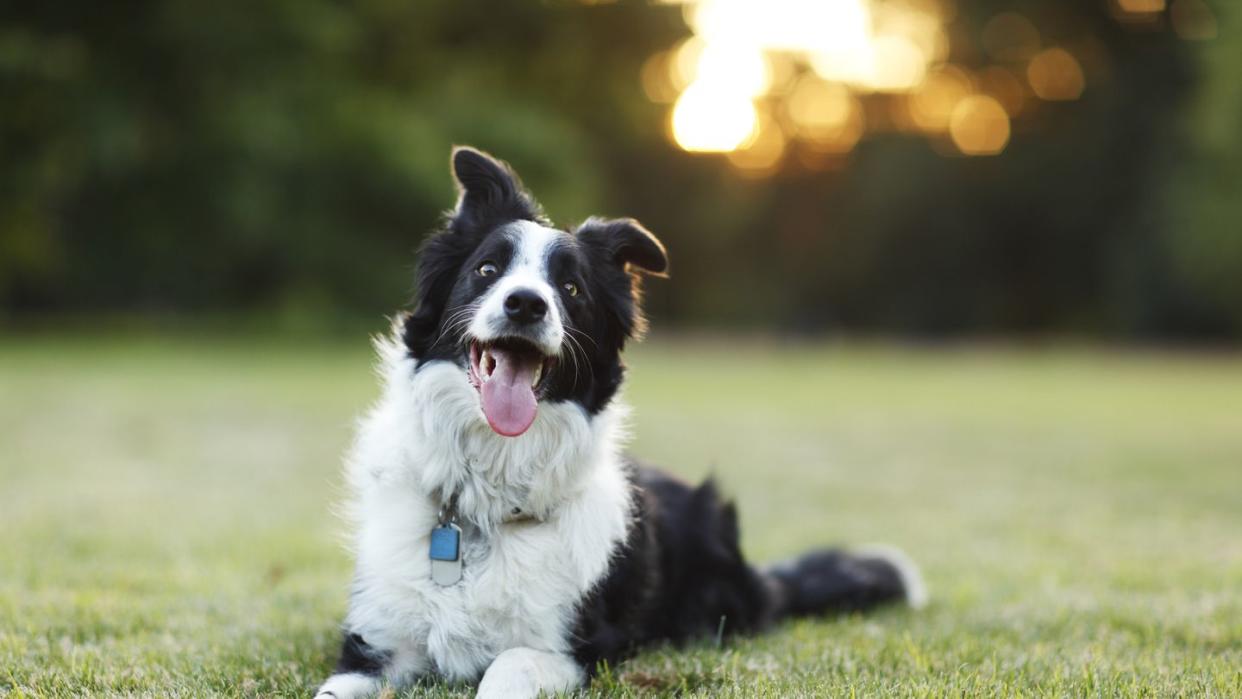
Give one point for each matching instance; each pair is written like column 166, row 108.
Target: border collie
column 501, row 534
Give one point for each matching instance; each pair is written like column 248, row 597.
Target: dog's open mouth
column 509, row 374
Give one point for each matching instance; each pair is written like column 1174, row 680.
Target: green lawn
column 166, row 514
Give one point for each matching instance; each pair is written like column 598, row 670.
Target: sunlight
column 813, row 77
column 898, row 64
column 735, row 68
column 709, row 119
column 731, row 59
column 783, row 25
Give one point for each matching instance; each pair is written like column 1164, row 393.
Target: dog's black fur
column 682, row 576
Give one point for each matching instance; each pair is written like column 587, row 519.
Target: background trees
column 286, row 157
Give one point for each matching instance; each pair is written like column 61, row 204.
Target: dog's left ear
column 625, row 242
column 620, row 250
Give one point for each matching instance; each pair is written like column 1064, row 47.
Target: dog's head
column 530, row 312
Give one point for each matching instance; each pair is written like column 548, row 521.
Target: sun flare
column 813, row 77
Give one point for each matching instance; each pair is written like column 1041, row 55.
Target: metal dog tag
column 446, row 554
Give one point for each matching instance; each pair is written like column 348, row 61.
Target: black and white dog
column 500, row 532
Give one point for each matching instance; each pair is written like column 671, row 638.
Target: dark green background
column 283, row 159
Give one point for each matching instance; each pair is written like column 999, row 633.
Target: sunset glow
column 709, row 119
column 774, row 76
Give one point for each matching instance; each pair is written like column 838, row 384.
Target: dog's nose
column 525, row 306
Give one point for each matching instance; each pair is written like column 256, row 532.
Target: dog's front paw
column 512, row 674
column 348, row 685
column 525, row 672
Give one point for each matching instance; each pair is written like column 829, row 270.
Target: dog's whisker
column 461, row 317
column 575, row 347
column 583, row 335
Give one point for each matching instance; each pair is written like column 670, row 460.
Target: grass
column 165, row 523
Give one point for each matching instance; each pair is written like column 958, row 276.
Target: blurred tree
column 287, row 156
column 188, row 155
column 1204, row 230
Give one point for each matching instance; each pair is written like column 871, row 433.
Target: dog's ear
column 439, row 260
column 489, row 192
column 626, row 243
column 621, row 251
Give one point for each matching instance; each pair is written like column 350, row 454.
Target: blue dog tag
column 445, row 554
column 445, row 543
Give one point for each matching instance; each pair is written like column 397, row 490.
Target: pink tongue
column 508, row 399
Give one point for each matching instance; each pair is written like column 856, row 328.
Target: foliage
column 286, row 157
column 189, row 155
column 1202, row 232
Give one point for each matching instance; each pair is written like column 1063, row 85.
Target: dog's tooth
column 538, row 373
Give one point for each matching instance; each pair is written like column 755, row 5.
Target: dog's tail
column 835, row 581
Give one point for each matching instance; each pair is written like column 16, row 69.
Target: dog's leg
column 349, row 685
column 526, row 672
column 362, row 669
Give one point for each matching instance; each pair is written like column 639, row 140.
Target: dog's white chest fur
column 521, row 580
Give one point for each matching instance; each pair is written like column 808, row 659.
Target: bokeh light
column 898, row 64
column 685, row 64
column 733, row 68
column 932, row 106
column 979, row 126
column 1055, row 75
column 1139, row 7
column 820, row 66
column 818, row 108
column 709, row 119
column 825, row 115
column 763, row 151
column 1193, row 20
column 1007, row 88
column 743, row 51
column 783, row 25
column 841, row 140
column 657, row 78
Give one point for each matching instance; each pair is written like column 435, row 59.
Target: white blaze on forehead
column 534, row 244
column 528, row 269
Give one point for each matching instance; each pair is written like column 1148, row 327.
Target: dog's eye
column 488, row 269
column 570, row 288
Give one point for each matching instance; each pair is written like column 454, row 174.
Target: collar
column 449, row 514
column 519, row 516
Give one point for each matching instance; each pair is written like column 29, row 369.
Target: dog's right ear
column 490, row 193
column 439, row 260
